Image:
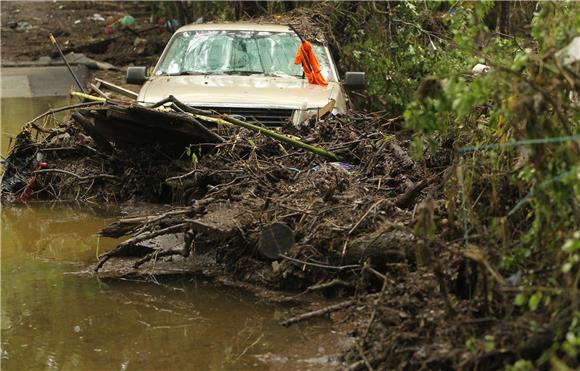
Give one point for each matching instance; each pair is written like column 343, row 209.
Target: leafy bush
column 521, row 122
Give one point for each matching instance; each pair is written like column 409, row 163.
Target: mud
column 73, row 25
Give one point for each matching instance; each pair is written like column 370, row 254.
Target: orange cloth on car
column 305, row 56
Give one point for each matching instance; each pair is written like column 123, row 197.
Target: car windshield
column 236, row 53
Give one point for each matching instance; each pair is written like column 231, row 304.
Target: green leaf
column 520, row 299
column 567, row 267
column 520, row 61
column 489, row 343
column 534, row 301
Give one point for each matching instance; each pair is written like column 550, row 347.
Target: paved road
column 27, row 82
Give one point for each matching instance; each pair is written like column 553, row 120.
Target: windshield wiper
column 282, row 74
column 241, row 72
column 201, row 73
column 189, row 73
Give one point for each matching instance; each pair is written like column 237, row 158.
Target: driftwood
column 64, row 108
column 126, row 225
column 216, row 224
column 317, row 313
column 166, row 127
column 79, row 177
column 136, row 125
column 390, row 244
column 90, row 129
column 229, row 121
column 323, row 311
column 248, row 167
column 182, row 227
column 406, row 199
column 128, row 125
column 282, row 138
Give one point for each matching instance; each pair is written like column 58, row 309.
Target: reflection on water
column 17, row 111
column 53, row 320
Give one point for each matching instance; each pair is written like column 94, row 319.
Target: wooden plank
column 326, row 109
column 117, row 89
column 191, row 123
column 142, row 126
column 98, row 91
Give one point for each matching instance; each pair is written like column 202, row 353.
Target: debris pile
column 78, row 167
column 252, row 181
column 235, row 187
column 251, row 208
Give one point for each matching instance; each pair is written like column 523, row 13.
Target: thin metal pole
column 53, row 41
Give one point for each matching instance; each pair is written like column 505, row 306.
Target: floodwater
column 51, row 319
column 17, row 111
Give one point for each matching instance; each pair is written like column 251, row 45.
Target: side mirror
column 355, row 80
column 136, row 75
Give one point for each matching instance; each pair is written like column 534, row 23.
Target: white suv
column 246, row 70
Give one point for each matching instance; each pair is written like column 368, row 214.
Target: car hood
column 239, row 91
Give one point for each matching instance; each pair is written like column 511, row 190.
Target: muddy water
column 16, row 111
column 51, row 319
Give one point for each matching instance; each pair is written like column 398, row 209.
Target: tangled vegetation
column 514, row 186
column 515, row 181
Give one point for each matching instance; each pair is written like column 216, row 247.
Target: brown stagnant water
column 51, row 319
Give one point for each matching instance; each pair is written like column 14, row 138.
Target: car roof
column 238, row 26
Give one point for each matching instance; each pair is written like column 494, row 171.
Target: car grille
column 265, row 116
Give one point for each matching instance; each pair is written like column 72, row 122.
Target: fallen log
column 124, row 226
column 389, row 244
column 219, row 223
column 181, row 227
